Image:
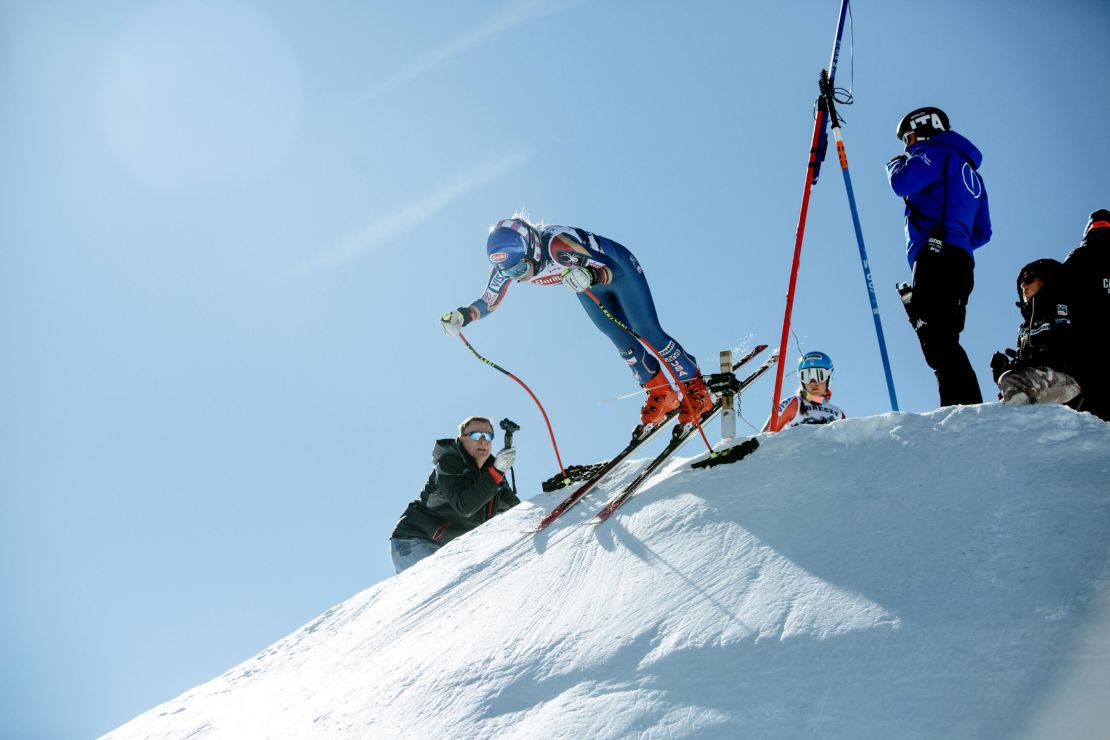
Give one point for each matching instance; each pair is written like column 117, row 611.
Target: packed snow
column 899, row 576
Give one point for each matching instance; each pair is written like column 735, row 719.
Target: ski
column 600, row 470
column 594, row 474
column 678, row 438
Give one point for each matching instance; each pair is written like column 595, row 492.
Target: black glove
column 1000, row 363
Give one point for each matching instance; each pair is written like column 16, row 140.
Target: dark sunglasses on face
column 487, row 436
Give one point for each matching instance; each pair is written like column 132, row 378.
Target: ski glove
column 505, row 459
column 452, row 322
column 579, row 279
column 1001, row 363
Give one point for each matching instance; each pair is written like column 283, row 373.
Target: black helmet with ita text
column 925, row 122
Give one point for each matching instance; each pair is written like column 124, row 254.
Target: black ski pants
column 943, row 277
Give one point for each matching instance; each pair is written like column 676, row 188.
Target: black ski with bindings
column 593, row 474
column 679, row 437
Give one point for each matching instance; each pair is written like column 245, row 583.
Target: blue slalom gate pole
column 827, row 92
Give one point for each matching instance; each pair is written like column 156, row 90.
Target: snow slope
column 900, row 576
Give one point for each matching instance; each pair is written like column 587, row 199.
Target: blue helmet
column 815, row 366
column 510, row 247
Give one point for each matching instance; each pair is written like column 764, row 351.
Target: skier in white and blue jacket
column 947, row 219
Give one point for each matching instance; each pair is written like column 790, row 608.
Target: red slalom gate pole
column 547, row 421
column 814, row 162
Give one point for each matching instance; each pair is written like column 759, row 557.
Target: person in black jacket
column 1087, row 271
column 467, row 488
column 1041, row 369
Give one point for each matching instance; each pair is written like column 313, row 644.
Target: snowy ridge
column 906, row 575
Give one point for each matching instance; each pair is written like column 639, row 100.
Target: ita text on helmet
column 923, row 123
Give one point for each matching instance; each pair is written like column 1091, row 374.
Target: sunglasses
column 819, row 374
column 487, row 436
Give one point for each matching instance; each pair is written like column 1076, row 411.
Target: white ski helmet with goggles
column 815, row 366
column 512, row 247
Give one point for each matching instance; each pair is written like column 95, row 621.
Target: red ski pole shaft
column 547, row 421
column 662, row 362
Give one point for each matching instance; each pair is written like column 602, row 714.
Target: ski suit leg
column 629, row 299
column 639, row 358
column 942, row 282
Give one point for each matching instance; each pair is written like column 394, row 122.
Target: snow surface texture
column 940, row 575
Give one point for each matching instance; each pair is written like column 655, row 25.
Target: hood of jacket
column 449, row 446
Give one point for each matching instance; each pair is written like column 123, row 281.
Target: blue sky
column 227, row 231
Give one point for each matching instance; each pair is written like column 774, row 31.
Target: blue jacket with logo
column 945, row 197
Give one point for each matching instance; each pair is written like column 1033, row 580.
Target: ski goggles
column 516, row 270
column 487, row 436
column 809, row 374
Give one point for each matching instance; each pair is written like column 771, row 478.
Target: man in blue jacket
column 947, row 219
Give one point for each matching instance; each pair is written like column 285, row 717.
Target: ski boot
column 661, row 400
column 698, row 400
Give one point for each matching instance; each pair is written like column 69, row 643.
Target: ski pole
column 508, row 427
column 662, row 362
column 547, row 421
column 834, row 123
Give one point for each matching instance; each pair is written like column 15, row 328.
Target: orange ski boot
column 661, row 400
column 698, row 400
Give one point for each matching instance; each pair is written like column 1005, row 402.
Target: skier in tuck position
column 810, row 405
column 581, row 260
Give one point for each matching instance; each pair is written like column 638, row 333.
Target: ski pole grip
column 508, row 426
